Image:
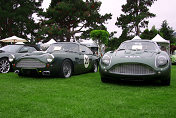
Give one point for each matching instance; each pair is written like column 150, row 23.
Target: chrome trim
column 132, row 69
column 30, row 63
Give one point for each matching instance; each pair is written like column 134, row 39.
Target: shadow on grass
column 36, row 76
column 135, row 83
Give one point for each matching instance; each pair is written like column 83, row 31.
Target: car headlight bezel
column 50, row 58
column 161, row 61
column 106, row 60
column 11, row 57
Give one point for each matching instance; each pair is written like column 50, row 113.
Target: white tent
column 47, row 44
column 13, row 39
column 136, row 38
column 159, row 39
column 162, row 43
column 50, row 42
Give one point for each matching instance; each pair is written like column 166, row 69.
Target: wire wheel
column 4, row 66
column 66, row 69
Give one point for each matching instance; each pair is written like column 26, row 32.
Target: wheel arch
column 71, row 63
column 4, row 57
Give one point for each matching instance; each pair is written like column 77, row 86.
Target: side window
column 88, row 51
column 24, row 49
column 85, row 50
column 31, row 49
column 73, row 47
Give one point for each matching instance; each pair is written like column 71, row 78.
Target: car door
column 85, row 58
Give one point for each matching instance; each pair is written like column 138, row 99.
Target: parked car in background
column 173, row 57
column 63, row 59
column 136, row 59
column 9, row 52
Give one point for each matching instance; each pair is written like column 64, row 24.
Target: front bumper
column 49, row 70
column 159, row 74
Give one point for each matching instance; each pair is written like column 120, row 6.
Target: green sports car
column 63, row 59
column 9, row 52
column 136, row 59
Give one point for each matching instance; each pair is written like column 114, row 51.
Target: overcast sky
column 164, row 10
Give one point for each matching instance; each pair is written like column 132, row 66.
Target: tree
column 16, row 18
column 150, row 34
column 135, row 14
column 100, row 37
column 167, row 32
column 114, row 42
column 65, row 18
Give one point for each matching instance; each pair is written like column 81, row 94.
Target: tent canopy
column 50, row 42
column 136, row 38
column 162, row 43
column 13, row 39
column 44, row 46
column 159, row 39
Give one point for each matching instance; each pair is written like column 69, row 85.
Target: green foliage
column 167, row 32
column 16, row 18
column 135, row 14
column 150, row 34
column 101, row 36
column 114, row 43
column 71, row 17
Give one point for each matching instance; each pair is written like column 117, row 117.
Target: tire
column 104, row 80
column 4, row 66
column 66, row 69
column 95, row 67
column 166, row 82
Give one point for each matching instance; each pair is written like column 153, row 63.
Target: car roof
column 140, row 40
column 69, row 43
column 37, row 48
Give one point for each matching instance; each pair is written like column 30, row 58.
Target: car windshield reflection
column 63, row 47
column 11, row 48
column 146, row 46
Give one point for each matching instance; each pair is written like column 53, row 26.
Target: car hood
column 128, row 56
column 41, row 55
column 134, row 54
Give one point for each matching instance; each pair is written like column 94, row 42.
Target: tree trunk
column 137, row 30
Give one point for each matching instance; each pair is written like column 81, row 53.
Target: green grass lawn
column 84, row 96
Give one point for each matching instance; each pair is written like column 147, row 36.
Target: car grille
column 30, row 63
column 132, row 69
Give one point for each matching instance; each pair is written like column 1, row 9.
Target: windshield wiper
column 120, row 49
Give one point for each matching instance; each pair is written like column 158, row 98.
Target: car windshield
column 63, row 47
column 148, row 46
column 11, row 48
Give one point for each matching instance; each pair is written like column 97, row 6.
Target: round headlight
column 106, row 59
column 50, row 58
column 161, row 61
column 11, row 57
